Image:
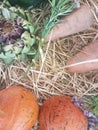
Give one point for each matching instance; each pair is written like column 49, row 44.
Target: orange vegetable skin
column 18, row 109
column 78, row 21
column 84, row 60
column 58, row 113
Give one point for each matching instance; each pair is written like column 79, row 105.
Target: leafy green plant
column 91, row 104
column 95, row 110
column 94, row 105
column 29, row 42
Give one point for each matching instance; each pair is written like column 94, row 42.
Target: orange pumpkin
column 58, row 113
column 18, row 109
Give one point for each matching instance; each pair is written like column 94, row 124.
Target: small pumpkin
column 18, row 109
column 59, row 113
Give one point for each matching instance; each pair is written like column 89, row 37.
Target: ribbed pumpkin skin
column 58, row 113
column 18, row 109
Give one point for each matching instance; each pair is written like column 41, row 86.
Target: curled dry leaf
column 86, row 60
column 76, row 22
column 59, row 113
column 18, row 109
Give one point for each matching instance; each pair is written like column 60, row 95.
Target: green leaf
column 30, row 42
column 13, row 15
column 16, row 50
column 25, row 35
column 8, row 58
column 2, row 56
column 93, row 105
column 6, row 13
column 25, row 24
column 31, row 52
column 95, row 110
column 22, row 57
column 21, row 13
column 28, row 16
column 8, row 47
column 25, row 49
column 32, row 29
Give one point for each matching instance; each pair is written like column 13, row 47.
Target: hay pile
column 49, row 76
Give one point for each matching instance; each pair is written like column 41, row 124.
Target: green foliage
column 92, row 105
column 58, row 8
column 33, row 37
column 8, row 57
column 95, row 105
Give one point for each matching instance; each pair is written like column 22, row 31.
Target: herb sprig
column 58, row 8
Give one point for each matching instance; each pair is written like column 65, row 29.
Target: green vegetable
column 26, row 3
column 92, row 105
column 95, row 105
column 24, row 35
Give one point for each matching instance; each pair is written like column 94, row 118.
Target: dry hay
column 49, row 76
